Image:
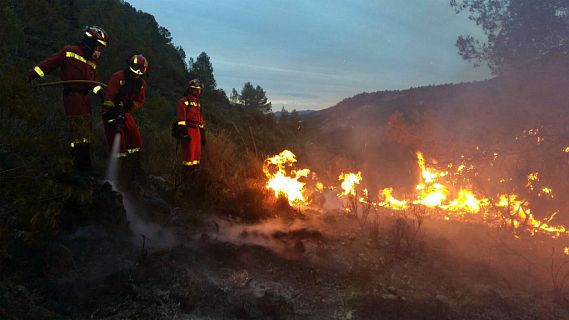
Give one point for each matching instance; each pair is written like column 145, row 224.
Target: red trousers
column 130, row 138
column 192, row 148
column 78, row 110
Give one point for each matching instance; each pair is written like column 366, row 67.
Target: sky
column 311, row 54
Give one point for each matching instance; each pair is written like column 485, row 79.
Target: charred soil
column 308, row 266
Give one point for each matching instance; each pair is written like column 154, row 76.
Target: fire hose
column 55, row 83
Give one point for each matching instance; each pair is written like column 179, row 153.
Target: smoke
column 287, row 237
column 152, row 235
column 156, row 236
column 489, row 124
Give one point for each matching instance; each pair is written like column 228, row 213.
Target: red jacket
column 120, row 89
column 74, row 66
column 189, row 112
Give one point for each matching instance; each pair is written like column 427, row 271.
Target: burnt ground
column 308, row 266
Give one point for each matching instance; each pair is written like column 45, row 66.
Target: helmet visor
column 137, row 70
column 197, row 91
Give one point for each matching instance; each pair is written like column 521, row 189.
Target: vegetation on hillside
column 33, row 129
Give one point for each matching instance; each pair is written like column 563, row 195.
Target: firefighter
column 77, row 62
column 126, row 92
column 189, row 128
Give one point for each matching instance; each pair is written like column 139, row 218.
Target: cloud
column 302, row 95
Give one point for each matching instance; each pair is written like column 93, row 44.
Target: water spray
column 113, row 167
column 159, row 236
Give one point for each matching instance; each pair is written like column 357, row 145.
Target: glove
column 202, row 135
column 183, row 134
column 128, row 106
column 113, row 116
column 180, row 132
column 109, row 115
column 30, row 77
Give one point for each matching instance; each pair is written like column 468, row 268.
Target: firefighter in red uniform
column 77, row 62
column 125, row 92
column 190, row 125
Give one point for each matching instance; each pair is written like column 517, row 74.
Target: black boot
column 137, row 177
column 187, row 186
column 137, row 172
column 189, row 174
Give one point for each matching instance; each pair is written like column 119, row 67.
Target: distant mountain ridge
column 544, row 79
column 522, row 117
column 301, row 113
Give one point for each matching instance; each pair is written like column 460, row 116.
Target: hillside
column 520, row 117
column 510, row 100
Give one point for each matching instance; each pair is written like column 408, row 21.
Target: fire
column 433, row 193
column 285, row 182
column 535, row 133
column 546, row 192
column 390, row 202
column 532, row 176
column 349, row 183
column 434, row 190
column 524, row 218
column 429, row 175
column 466, row 201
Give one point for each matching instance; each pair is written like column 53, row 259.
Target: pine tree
column 255, row 97
column 235, row 97
column 202, row 69
column 294, row 121
column 283, row 119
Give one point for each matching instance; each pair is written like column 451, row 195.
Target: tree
column 517, row 31
column 255, row 97
column 11, row 34
column 294, row 120
column 182, row 55
column 235, row 97
column 202, row 69
column 283, row 119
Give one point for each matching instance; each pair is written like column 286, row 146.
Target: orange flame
column 466, row 201
column 429, row 175
column 284, row 183
column 349, row 183
column 390, row 202
column 431, row 192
